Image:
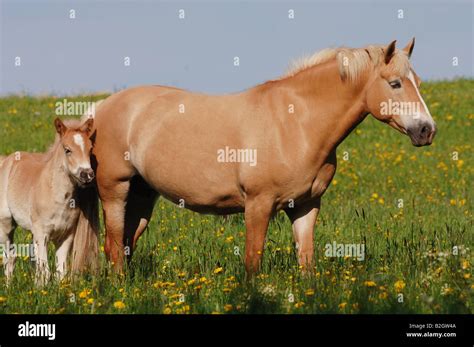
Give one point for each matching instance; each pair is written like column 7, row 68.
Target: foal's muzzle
column 86, row 176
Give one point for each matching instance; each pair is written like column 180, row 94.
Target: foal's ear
column 87, row 126
column 409, row 48
column 60, row 127
column 389, row 51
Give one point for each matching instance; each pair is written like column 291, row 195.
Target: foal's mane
column 352, row 62
column 73, row 124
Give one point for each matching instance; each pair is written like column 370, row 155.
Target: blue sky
column 64, row 56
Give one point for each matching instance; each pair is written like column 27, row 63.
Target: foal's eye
column 395, row 84
column 67, row 151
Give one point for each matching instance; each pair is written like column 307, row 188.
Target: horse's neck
column 56, row 178
column 327, row 107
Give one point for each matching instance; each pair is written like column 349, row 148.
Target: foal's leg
column 41, row 239
column 62, row 251
column 258, row 211
column 6, row 242
column 303, row 220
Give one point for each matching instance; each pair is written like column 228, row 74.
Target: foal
column 47, row 194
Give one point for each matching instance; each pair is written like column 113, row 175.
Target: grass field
column 418, row 257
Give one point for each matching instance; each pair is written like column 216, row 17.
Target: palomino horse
column 47, row 194
column 269, row 148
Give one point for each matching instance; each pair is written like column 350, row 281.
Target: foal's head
column 76, row 144
column 393, row 96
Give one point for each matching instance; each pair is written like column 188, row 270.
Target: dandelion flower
column 299, row 304
column 446, row 291
column 342, row 305
column 119, row 305
column 399, row 286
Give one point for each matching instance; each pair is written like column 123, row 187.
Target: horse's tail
column 85, row 252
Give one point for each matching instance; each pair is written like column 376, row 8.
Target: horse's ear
column 87, row 126
column 389, row 51
column 409, row 48
column 60, row 127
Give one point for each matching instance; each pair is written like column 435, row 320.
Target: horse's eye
column 395, row 84
column 67, row 151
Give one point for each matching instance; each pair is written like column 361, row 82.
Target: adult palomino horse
column 194, row 149
column 47, row 193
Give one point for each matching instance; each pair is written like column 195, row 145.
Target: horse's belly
column 202, row 188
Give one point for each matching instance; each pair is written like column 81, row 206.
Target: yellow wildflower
column 119, row 305
column 370, row 284
column 399, row 286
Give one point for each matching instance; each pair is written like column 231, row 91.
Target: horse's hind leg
column 140, row 202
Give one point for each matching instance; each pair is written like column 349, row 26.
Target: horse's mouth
column 423, row 138
column 393, row 123
column 81, row 183
column 420, row 142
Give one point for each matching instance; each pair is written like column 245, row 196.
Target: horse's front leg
column 41, row 239
column 62, row 251
column 114, row 197
column 303, row 219
column 258, row 211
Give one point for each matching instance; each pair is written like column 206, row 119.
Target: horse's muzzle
column 423, row 134
column 86, row 176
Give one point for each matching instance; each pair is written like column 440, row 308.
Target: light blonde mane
column 352, row 62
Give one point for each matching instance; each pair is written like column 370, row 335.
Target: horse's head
column 393, row 96
column 76, row 145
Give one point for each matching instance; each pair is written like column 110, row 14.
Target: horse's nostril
column 87, row 175
column 424, row 130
